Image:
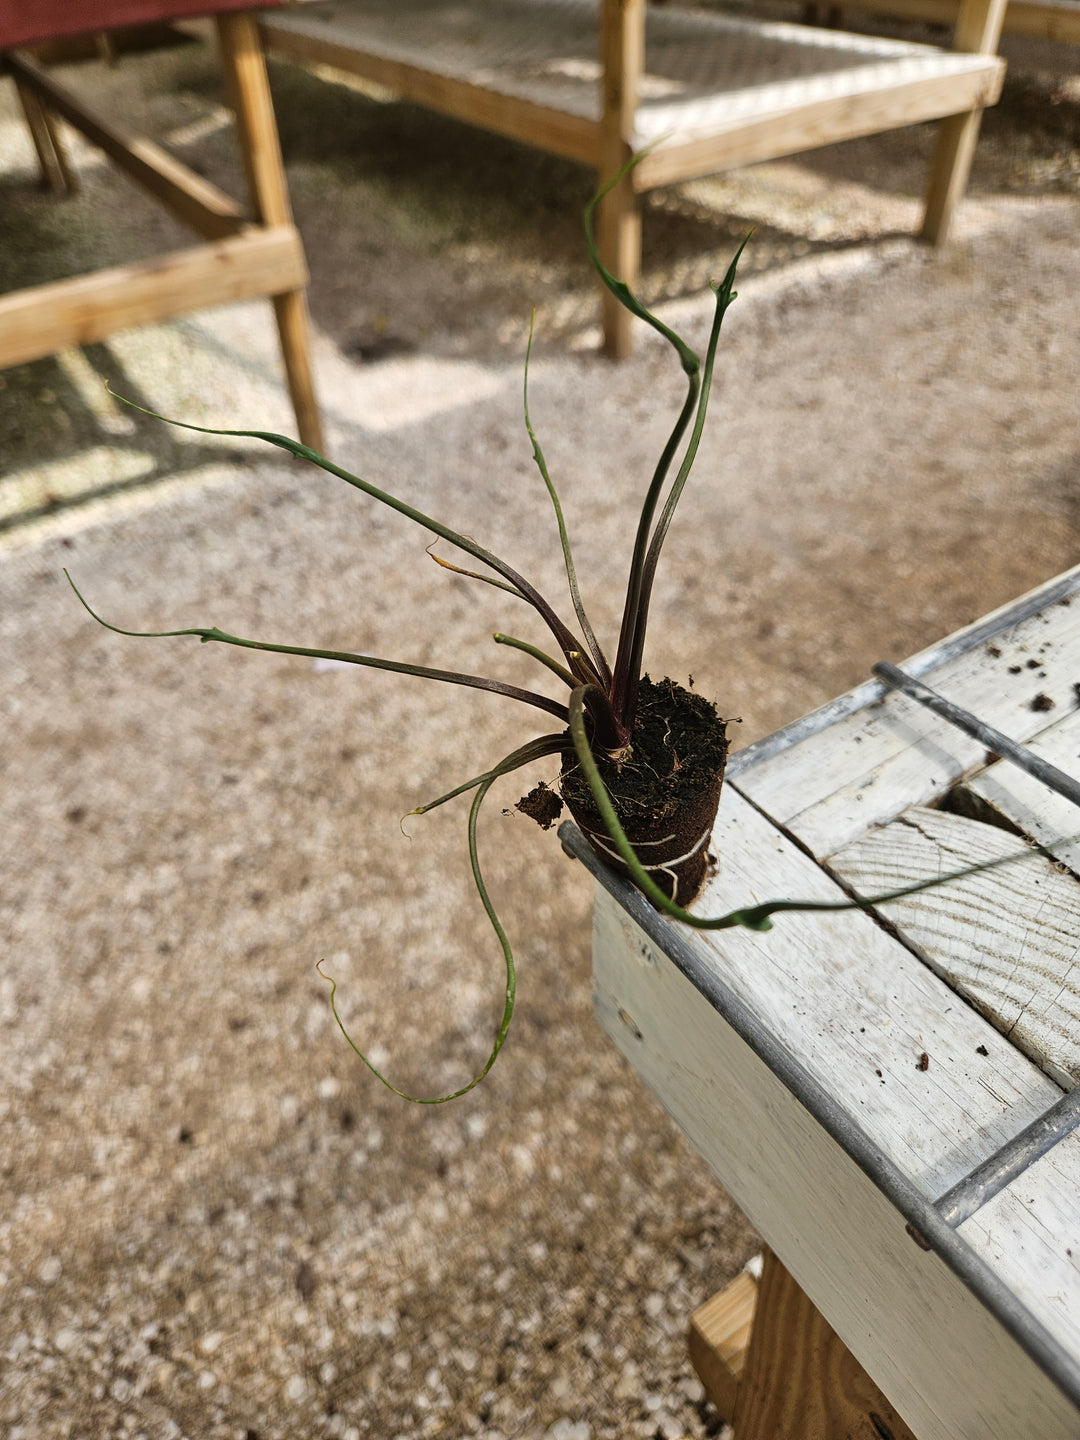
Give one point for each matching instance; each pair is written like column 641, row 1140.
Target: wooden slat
column 942, row 1359
column 809, row 125
column 843, row 995
column 45, row 318
column 42, row 134
column 1007, row 939
column 719, row 1338
column 800, row 1379
column 978, row 26
column 622, row 59
column 869, row 766
column 195, row 201
column 573, row 136
column 249, row 91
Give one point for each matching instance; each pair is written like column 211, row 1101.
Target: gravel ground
column 213, row 1223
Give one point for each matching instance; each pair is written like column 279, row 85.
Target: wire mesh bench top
column 704, row 74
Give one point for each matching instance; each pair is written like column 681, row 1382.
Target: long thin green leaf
column 565, row 637
column 452, row 677
column 536, row 749
column 511, row 978
column 751, row 917
column 603, row 671
column 623, row 679
column 537, row 654
column 725, row 294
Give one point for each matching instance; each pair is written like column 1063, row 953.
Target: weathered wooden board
column 714, row 90
column 1007, row 939
column 860, row 1011
column 870, row 765
column 942, row 1359
column 42, row 319
column 891, row 1023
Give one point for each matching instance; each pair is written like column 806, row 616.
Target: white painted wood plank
column 868, row 767
column 941, row 1358
column 860, row 1010
column 1007, row 939
column 1030, row 804
column 1030, row 1234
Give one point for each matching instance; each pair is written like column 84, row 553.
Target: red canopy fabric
column 28, row 22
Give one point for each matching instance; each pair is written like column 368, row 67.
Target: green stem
column 622, row 680
column 725, row 294
column 537, row 749
column 511, row 979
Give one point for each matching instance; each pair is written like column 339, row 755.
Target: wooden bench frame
column 240, row 259
column 1038, row 19
column 956, row 100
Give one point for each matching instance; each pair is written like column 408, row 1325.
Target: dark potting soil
column 541, row 804
column 665, row 793
column 679, row 746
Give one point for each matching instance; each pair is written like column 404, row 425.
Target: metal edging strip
column 919, row 1212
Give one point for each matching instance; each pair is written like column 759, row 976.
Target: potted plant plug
column 641, row 763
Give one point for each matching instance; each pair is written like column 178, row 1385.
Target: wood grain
column 1021, row 799
column 577, row 137
column 1007, row 939
column 244, row 66
column 800, row 1381
column 873, row 763
column 796, row 125
column 42, row 319
column 1030, row 1234
column 719, row 1338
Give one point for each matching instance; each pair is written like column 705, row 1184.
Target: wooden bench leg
column 56, row 172
column 618, row 238
column 978, row 30
column 794, row 1379
column 249, row 89
column 618, row 233
column 954, row 150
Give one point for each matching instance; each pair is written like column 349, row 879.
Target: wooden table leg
column 56, row 172
column 796, row 1379
column 245, row 74
column 618, row 235
column 978, row 31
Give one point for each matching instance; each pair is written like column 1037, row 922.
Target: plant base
column 666, row 794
